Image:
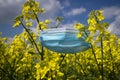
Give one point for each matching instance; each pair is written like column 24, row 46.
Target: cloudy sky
column 72, row 11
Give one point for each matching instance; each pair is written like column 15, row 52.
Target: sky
column 72, row 10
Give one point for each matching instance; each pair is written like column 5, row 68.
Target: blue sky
column 72, row 10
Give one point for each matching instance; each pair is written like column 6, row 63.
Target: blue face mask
column 63, row 40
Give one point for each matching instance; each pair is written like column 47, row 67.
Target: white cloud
column 110, row 12
column 52, row 7
column 75, row 11
column 69, row 25
column 11, row 8
column 115, row 26
column 67, row 3
column 113, row 12
column 4, row 3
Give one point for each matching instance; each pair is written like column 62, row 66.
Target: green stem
column 95, row 57
column 2, row 70
column 32, row 40
column 11, row 68
column 101, row 42
column 7, row 61
column 93, row 52
column 111, row 58
column 37, row 19
column 63, row 57
column 102, row 58
column 82, row 69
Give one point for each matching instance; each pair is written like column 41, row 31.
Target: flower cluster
column 23, row 57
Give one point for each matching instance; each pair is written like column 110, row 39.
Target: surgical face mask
column 63, row 40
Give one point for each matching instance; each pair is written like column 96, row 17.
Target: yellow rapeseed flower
column 41, row 23
column 88, row 21
column 100, row 17
column 78, row 26
column 42, row 10
column 28, row 23
column 92, row 28
column 17, row 23
column 119, row 41
column 93, row 21
column 43, row 27
column 79, row 35
column 47, row 21
column 26, row 8
column 60, row 73
column 37, row 4
column 37, row 65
